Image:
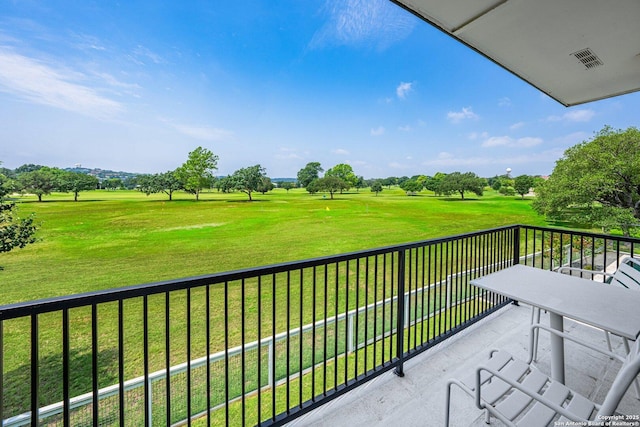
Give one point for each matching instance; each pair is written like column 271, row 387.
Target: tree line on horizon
column 197, row 174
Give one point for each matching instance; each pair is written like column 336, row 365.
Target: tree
column 389, row 181
column 596, row 181
column 457, row 182
column 224, row 184
column 14, row 232
column 144, row 183
column 27, row 168
column 41, row 181
column 411, row 187
column 76, row 182
column 522, row 184
column 345, row 173
column 287, row 185
column 310, row 172
column 330, row 184
column 265, row 185
column 248, row 179
column 376, row 187
column 432, row 183
column 314, row 186
column 112, row 183
column 197, row 172
column 167, row 183
column 8, row 173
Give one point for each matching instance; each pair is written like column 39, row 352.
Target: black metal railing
column 262, row 345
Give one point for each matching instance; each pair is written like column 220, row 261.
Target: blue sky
column 136, row 85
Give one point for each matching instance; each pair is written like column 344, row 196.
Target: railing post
column 516, row 250
column 399, row 371
column 35, row 373
column 516, row 245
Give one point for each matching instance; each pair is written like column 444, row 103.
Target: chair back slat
column 627, row 276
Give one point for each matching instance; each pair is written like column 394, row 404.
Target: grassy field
column 114, row 239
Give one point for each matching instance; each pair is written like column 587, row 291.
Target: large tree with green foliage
column 76, row 182
column 461, row 183
column 330, row 184
column 522, row 184
column 41, row 181
column 432, row 183
column 287, row 185
column 167, row 182
column 376, row 186
column 14, row 232
column 112, row 184
column 249, row 179
column 411, row 186
column 596, row 181
column 345, row 173
column 265, row 185
column 197, row 172
column 309, row 173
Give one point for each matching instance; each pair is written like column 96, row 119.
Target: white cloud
column 45, row 84
column 204, row 133
column 403, row 89
column 286, row 153
column 288, row 156
column 573, row 116
column 340, row 151
column 405, row 128
column 516, row 126
column 396, row 165
column 475, row 135
column 378, row 131
column 497, row 141
column 375, row 23
column 528, row 142
column 507, row 141
column 142, row 54
column 504, row 102
column 458, row 116
column 448, row 160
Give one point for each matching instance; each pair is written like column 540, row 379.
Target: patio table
column 604, row 306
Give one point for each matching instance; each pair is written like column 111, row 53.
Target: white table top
column 605, row 306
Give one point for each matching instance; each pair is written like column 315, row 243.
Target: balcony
column 273, row 345
column 418, row 398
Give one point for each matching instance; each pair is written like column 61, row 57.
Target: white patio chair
column 519, row 394
column 627, row 276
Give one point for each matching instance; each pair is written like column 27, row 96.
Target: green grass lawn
column 114, row 239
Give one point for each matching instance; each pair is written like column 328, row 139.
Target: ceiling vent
column 588, row 58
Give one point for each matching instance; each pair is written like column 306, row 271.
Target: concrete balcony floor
column 418, row 399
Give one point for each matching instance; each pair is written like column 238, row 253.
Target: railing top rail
column 27, row 308
column 581, row 233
